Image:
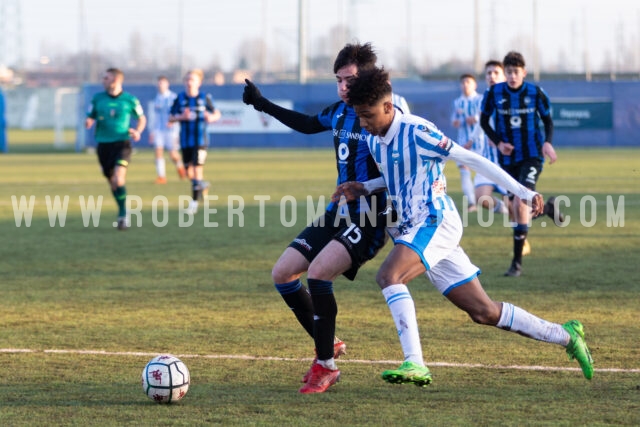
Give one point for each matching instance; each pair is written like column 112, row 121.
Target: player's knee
column 386, row 277
column 319, row 273
column 282, row 274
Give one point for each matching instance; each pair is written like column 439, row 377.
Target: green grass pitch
column 205, row 292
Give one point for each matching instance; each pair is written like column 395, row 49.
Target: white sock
column 329, row 364
column 467, row 186
column 515, row 319
column 160, row 167
column 403, row 312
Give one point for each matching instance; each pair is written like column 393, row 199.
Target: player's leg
column 177, row 161
column 522, row 217
column 286, row 278
column 171, row 146
column 293, row 262
column 471, row 298
column 402, row 265
column 198, row 186
column 526, row 174
column 333, row 260
column 484, row 190
column 467, row 187
column 120, row 153
column 159, row 142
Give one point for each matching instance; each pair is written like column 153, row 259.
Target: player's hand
column 549, row 152
column 252, row 96
column 134, row 134
column 505, row 148
column 348, row 191
column 88, row 123
column 456, row 123
column 468, row 145
column 537, row 205
column 471, row 120
column 151, row 138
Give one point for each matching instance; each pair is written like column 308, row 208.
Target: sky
column 577, row 34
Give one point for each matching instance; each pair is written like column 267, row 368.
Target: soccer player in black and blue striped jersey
column 522, row 147
column 339, row 242
column 194, row 110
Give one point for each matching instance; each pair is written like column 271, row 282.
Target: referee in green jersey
column 112, row 111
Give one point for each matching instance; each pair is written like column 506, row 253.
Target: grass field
column 85, row 307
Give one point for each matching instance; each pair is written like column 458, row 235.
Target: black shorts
column 194, row 156
column 362, row 243
column 526, row 173
column 112, row 154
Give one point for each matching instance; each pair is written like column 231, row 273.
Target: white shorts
column 481, row 180
column 438, row 245
column 165, row 139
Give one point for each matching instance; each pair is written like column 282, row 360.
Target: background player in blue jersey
column 517, row 107
column 164, row 134
column 341, row 243
column 466, row 117
column 194, row 110
column 411, row 153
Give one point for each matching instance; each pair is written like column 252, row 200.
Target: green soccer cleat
column 577, row 347
column 408, row 372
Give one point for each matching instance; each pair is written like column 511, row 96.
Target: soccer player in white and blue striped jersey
column 411, row 153
column 164, row 135
column 484, row 187
column 466, row 117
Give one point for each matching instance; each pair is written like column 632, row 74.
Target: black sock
column 196, row 189
column 519, row 236
column 299, row 301
column 325, row 311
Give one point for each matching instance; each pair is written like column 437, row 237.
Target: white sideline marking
column 291, row 359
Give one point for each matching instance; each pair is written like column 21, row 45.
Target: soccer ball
column 165, row 379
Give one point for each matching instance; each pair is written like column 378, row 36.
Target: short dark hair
column 163, row 77
column 513, row 59
column 493, row 63
column 467, row 76
column 369, row 86
column 363, row 56
column 117, row 72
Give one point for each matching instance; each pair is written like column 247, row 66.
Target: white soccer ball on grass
column 165, row 379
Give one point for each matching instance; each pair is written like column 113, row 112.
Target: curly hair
column 369, row 86
column 361, row 55
column 514, row 59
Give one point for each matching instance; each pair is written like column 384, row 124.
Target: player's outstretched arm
column 297, row 121
column 496, row 174
column 252, row 96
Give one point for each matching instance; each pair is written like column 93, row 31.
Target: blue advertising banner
column 582, row 113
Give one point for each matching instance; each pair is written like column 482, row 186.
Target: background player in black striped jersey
column 336, row 245
column 522, row 147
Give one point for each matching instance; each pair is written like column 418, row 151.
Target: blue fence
column 586, row 114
